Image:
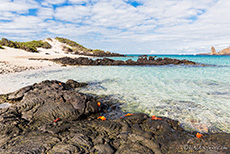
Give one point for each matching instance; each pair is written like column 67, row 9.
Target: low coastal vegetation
column 70, row 47
column 98, row 51
column 28, row 46
column 71, row 43
column 80, row 49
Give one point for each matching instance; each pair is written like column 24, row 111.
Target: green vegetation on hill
column 80, row 49
column 71, row 43
column 28, row 46
column 1, row 47
column 74, row 48
column 98, row 51
column 38, row 44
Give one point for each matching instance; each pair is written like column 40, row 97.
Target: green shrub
column 49, row 39
column 98, row 51
column 71, row 43
column 8, row 43
column 46, row 45
column 1, row 47
column 28, row 46
column 38, row 44
column 79, row 49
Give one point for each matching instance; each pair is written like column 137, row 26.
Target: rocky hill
column 213, row 51
column 225, row 51
column 59, row 45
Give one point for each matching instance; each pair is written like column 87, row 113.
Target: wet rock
column 65, row 149
column 107, row 61
column 19, row 93
column 104, row 148
column 74, row 84
column 52, row 117
column 128, row 148
column 118, row 62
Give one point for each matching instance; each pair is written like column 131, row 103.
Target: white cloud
column 73, row 14
column 5, row 15
column 52, row 2
column 78, row 1
column 163, row 26
column 19, row 6
column 45, row 12
column 9, row 10
column 116, row 15
column 25, row 27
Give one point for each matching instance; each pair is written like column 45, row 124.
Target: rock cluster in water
column 106, row 61
column 53, row 117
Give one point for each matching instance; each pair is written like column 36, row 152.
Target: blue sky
column 124, row 26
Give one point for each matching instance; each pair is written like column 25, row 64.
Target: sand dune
column 16, row 60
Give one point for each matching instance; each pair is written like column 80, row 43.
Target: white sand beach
column 16, row 60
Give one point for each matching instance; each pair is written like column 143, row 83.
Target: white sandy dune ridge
column 16, row 60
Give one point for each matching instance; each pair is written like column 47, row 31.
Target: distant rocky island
column 69, row 47
column 225, row 51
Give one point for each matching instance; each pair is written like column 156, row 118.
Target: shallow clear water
column 191, row 94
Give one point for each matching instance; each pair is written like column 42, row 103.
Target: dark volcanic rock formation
column 52, row 117
column 107, row 61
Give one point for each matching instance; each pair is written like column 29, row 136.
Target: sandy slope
column 15, row 60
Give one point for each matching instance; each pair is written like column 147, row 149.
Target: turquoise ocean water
column 197, row 96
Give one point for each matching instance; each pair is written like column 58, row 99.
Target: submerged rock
column 52, row 117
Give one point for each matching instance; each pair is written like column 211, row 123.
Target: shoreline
column 17, row 60
column 7, row 68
